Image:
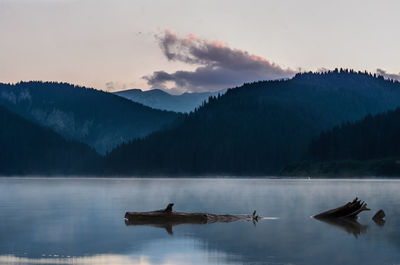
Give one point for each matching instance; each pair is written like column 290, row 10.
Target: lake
column 81, row 221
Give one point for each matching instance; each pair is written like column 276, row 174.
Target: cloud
column 387, row 75
column 218, row 65
column 113, row 86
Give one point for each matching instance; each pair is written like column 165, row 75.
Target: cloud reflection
column 96, row 259
column 160, row 252
column 109, row 259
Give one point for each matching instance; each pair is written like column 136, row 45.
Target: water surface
column 80, row 221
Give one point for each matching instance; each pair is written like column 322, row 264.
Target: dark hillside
column 369, row 147
column 100, row 119
column 29, row 149
column 257, row 128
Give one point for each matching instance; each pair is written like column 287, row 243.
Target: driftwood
column 167, row 218
column 345, row 217
column 349, row 210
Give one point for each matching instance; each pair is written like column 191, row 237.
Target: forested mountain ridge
column 370, row 138
column 100, row 119
column 160, row 99
column 257, row 128
column 28, row 148
column 370, row 146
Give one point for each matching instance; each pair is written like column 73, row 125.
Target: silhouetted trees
column 27, row 148
column 257, row 128
column 369, row 147
column 254, row 129
column 98, row 118
column 371, row 138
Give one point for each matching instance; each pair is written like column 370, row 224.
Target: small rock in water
column 379, row 218
column 379, row 215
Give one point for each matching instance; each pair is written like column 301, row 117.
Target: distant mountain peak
column 259, row 127
column 98, row 118
column 160, row 99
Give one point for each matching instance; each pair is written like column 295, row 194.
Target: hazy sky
column 192, row 45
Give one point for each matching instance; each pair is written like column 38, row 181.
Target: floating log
column 167, row 218
column 349, row 210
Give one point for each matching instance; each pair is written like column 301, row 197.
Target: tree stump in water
column 349, row 210
column 345, row 217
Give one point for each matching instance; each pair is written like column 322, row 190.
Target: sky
column 191, row 46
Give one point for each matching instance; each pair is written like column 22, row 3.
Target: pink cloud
column 219, row 65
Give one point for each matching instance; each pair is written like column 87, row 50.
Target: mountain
column 370, row 146
column 257, row 128
column 160, row 99
column 27, row 148
column 100, row 119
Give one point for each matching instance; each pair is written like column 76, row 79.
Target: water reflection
column 350, row 225
column 176, row 251
column 97, row 259
column 167, row 226
column 84, row 219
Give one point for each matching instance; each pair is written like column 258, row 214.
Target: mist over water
column 80, row 221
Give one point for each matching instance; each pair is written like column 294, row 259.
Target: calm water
column 80, row 221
